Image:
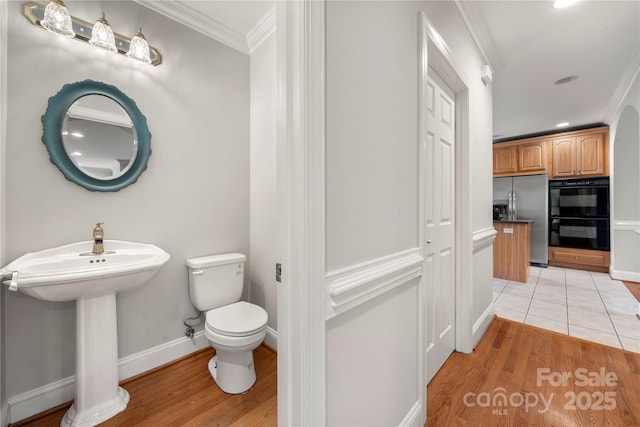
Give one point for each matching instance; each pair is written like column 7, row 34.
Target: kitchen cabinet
column 505, row 160
column 532, row 157
column 563, row 164
column 510, row 159
column 520, row 158
column 573, row 154
column 512, row 251
column 578, row 156
column 582, row 259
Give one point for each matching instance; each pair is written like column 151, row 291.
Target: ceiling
column 528, row 44
column 531, row 44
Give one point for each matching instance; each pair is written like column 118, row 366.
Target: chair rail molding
column 356, row 284
column 483, row 238
column 627, row 225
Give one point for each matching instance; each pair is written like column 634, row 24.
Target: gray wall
column 192, row 200
column 372, row 186
column 264, row 208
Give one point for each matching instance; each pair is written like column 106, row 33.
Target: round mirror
column 96, row 136
column 99, row 137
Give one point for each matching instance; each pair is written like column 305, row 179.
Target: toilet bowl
column 234, row 331
column 234, row 328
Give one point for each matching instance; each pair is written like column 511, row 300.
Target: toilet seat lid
column 237, row 320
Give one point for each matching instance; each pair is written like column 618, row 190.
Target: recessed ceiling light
column 559, row 4
column 562, row 125
column 565, row 80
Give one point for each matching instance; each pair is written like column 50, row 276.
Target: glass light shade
column 102, row 36
column 139, row 48
column 57, row 19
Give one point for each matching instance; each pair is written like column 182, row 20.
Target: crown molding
column 480, row 33
column 624, row 84
column 191, row 18
column 262, row 30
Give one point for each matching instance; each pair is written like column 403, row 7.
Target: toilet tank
column 216, row 280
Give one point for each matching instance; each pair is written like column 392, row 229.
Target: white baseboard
column 4, row 413
column 271, row 339
column 159, row 355
column 53, row 394
column 482, row 324
column 42, row 398
column 413, row 416
column 630, row 276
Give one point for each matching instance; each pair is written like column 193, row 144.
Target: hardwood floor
column 634, row 288
column 184, row 394
column 506, row 362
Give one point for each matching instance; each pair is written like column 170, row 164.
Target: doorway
column 439, row 272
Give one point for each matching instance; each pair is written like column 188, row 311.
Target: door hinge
column 279, row 272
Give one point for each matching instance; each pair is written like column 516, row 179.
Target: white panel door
column 439, row 273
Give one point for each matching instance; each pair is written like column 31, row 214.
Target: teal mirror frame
column 53, row 121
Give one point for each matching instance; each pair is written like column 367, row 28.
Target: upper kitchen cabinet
column 532, row 157
column 581, row 154
column 505, row 160
column 564, row 157
column 525, row 157
column 574, row 154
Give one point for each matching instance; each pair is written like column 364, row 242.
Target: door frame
column 435, row 53
column 4, row 16
column 301, row 215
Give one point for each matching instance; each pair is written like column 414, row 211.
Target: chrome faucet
column 98, row 239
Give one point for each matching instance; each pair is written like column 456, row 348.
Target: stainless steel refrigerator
column 531, row 202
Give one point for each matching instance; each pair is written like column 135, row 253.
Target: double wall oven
column 579, row 213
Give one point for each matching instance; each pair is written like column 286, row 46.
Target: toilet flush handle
column 197, row 272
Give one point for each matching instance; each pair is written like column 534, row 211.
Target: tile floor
column 577, row 303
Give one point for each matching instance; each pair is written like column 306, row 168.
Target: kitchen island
column 512, row 249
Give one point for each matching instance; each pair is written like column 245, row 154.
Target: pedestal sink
column 63, row 274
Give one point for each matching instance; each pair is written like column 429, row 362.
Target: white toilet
column 234, row 328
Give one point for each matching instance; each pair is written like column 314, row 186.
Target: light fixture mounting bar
column 35, row 12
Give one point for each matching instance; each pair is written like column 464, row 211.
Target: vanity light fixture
column 102, row 35
column 139, row 48
column 56, row 18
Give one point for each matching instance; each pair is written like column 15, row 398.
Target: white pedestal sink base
column 98, row 414
column 98, row 396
